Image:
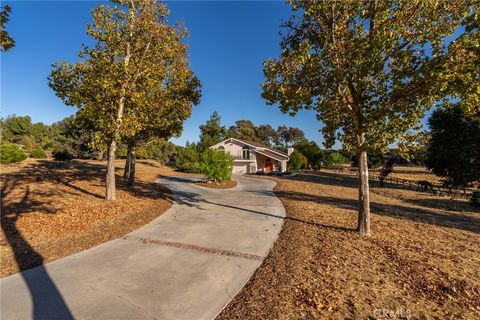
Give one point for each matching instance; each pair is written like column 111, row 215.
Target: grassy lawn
column 51, row 210
column 422, row 261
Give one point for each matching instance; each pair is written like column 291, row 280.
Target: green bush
column 63, row 154
column 334, row 158
column 216, row 165
column 11, row 153
column 186, row 160
column 38, row 154
column 475, row 199
column 297, row 161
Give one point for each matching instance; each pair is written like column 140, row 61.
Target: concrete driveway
column 186, row 264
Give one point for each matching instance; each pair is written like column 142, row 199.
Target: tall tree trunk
column 110, row 180
column 132, row 156
column 363, row 190
column 128, row 167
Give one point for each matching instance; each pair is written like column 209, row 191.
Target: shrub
column 38, row 154
column 297, row 161
column 335, row 157
column 216, row 165
column 63, row 154
column 475, row 199
column 186, row 160
column 11, row 153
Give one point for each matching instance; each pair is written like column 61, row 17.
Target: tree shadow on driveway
column 23, row 192
column 47, row 300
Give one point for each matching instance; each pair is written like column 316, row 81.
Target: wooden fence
column 423, row 186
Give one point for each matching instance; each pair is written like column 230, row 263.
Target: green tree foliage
column 216, row 165
column 70, row 136
column 311, row 151
column 454, row 148
column 282, row 137
column 288, row 136
column 187, row 159
column 11, row 153
column 16, row 129
column 370, row 69
column 136, row 66
column 244, row 130
column 334, row 157
column 212, row 132
column 38, row 154
column 6, row 42
column 266, row 134
column 297, row 161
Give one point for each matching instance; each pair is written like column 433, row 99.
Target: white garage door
column 239, row 168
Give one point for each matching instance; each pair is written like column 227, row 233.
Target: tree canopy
column 6, row 42
column 454, row 148
column 212, row 132
column 136, row 79
column 370, row 69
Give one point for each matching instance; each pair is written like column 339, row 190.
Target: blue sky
column 228, row 43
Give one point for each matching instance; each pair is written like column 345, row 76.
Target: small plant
column 38, row 154
column 216, row 165
column 297, row 161
column 475, row 199
column 11, row 153
column 62, row 154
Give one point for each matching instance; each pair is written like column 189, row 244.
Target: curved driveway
column 186, row 264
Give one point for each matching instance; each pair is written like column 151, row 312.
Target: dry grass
column 51, row 210
column 415, row 174
column 422, row 261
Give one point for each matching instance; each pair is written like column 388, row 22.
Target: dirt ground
column 51, row 210
column 421, row 262
column 217, row 185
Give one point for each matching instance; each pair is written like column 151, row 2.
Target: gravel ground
column 421, row 262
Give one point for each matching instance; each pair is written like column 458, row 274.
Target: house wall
column 256, row 161
column 235, row 149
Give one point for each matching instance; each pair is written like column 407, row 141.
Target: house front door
column 268, row 165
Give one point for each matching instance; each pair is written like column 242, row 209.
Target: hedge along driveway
column 186, row 264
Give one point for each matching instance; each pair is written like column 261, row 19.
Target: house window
column 221, row 148
column 246, row 153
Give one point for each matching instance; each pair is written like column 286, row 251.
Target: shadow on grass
column 47, row 300
column 439, row 212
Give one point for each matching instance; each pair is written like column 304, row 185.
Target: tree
column 72, row 138
column 288, row 136
column 454, row 148
column 311, row 151
column 187, row 158
column 368, row 68
column 216, row 165
column 266, row 134
column 212, row 132
column 297, row 161
column 6, row 42
column 14, row 127
column 115, row 84
column 243, row 129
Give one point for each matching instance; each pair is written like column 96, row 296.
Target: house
column 250, row 157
